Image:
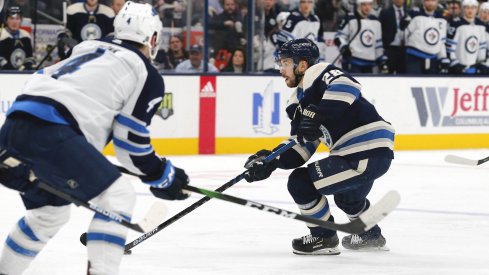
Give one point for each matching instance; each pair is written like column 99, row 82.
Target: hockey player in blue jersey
column 66, row 114
column 466, row 41
column 327, row 106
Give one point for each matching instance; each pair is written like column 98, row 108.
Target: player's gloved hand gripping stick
column 198, row 203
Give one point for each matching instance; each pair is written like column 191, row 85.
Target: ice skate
column 370, row 240
column 310, row 245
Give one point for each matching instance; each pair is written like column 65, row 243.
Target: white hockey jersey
column 107, row 90
column 425, row 35
column 466, row 42
column 302, row 27
column 365, row 44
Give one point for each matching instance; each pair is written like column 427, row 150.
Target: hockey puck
column 128, row 252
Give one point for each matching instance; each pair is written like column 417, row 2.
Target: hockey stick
column 465, row 161
column 359, row 24
column 154, row 215
column 365, row 221
column 196, row 204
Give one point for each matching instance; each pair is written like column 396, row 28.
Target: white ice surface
column 440, row 227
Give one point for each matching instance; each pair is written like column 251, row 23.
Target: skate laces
column 309, row 239
column 356, row 239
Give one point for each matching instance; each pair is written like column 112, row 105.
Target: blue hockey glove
column 258, row 169
column 308, row 129
column 169, row 185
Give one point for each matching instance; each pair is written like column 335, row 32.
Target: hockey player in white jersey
column 466, row 41
column 359, row 40
column 425, row 35
column 67, row 113
column 303, row 23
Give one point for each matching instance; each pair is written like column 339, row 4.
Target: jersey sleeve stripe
column 132, row 148
column 132, row 124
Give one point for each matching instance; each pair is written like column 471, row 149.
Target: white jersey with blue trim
column 300, row 26
column 466, row 42
column 111, row 91
column 367, row 45
column 352, row 126
column 425, row 34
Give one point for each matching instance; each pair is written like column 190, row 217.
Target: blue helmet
column 299, row 49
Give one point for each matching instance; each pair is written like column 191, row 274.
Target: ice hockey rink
column 440, row 227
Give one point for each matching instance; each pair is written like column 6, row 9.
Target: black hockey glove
column 444, row 65
column 345, row 51
column 457, row 69
column 258, row 169
column 311, row 120
column 169, row 185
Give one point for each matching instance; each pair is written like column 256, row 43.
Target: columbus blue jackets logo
column 472, row 44
column 432, row 36
column 17, row 57
column 266, row 110
column 367, row 38
column 91, row 31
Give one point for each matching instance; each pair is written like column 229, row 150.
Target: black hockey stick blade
column 196, row 204
column 465, row 161
column 366, row 220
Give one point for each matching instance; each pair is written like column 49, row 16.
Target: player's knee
column 47, row 220
column 119, row 196
column 350, row 207
column 297, row 180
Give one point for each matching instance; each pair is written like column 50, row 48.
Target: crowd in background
column 372, row 36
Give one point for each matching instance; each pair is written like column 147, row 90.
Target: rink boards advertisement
column 240, row 114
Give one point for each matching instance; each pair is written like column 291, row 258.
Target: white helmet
column 470, row 3
column 138, row 22
column 484, row 6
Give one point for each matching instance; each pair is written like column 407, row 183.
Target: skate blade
column 326, row 251
column 370, row 249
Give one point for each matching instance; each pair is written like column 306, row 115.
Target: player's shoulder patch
column 75, row 8
column 312, row 74
column 24, row 33
column 105, row 10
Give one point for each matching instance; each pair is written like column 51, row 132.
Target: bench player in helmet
column 327, row 106
column 66, row 114
column 466, row 41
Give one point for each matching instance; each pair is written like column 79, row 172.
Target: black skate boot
column 310, row 245
column 370, row 240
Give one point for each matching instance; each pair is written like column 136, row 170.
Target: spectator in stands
column 176, row 52
column 393, row 37
column 237, row 64
column 15, row 43
column 484, row 13
column 228, row 28
column 172, row 13
column 89, row 20
column 453, row 11
column 194, row 64
column 425, row 32
column 117, row 5
column 327, row 10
